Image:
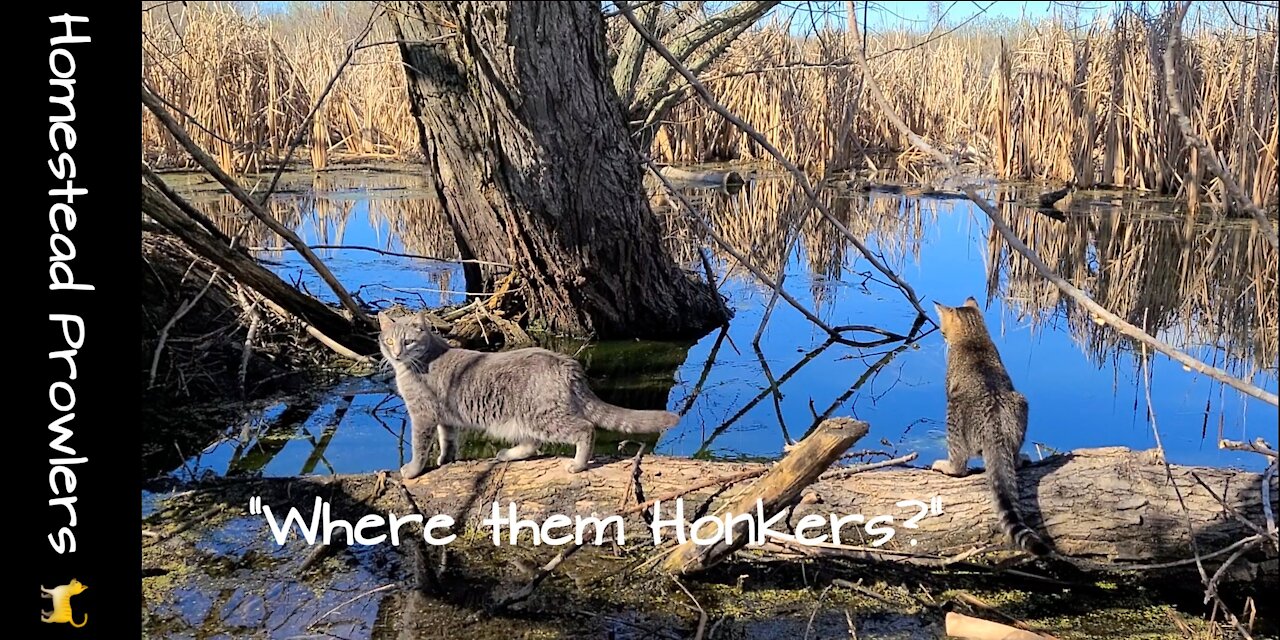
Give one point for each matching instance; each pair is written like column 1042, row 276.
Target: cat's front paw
column 944, row 466
column 575, row 467
column 412, row 470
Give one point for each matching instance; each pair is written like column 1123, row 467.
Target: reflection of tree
column 1197, row 285
column 753, row 221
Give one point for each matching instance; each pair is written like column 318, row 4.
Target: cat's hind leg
column 518, row 452
column 448, row 438
column 958, row 454
column 585, row 444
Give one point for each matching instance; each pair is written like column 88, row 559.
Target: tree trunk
column 527, row 147
column 1108, row 504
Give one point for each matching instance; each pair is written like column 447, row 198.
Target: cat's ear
column 971, row 303
column 384, row 321
column 422, row 320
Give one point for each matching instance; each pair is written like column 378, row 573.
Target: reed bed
column 1031, row 101
column 1209, row 288
column 1042, row 102
column 755, row 222
column 244, row 84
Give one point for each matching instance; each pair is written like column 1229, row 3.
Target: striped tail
column 615, row 418
column 1003, row 480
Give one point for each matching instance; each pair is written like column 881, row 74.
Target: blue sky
column 922, row 15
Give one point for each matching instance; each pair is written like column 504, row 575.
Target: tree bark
column 528, row 151
column 1108, row 504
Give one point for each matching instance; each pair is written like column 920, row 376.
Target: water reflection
column 1208, row 288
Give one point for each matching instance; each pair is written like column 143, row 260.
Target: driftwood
column 698, row 177
column 962, row 626
column 777, row 490
column 1112, row 507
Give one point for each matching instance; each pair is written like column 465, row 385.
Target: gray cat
column 526, row 397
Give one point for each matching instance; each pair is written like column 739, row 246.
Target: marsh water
column 1204, row 287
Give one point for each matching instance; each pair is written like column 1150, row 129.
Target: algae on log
column 528, row 152
column 1109, row 504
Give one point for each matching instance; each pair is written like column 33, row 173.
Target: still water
column 1209, row 289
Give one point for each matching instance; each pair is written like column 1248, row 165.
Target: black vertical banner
column 73, row 395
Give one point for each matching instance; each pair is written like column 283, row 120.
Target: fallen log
column 1109, row 505
column 702, row 177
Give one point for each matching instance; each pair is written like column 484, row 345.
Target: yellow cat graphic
column 62, row 603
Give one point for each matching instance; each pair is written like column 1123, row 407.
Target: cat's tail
column 1002, row 477
column 615, row 418
column 83, row 621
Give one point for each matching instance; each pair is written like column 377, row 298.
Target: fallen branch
column 962, row 626
column 243, row 269
column 152, row 102
column 1112, row 507
column 777, row 490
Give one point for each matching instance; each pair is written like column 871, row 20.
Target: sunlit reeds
column 244, row 84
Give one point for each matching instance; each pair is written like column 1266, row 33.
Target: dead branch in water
column 152, row 102
column 326, row 320
column 1079, row 296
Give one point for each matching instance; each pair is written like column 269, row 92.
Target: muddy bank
column 212, row 568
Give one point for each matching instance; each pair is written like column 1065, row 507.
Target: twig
column 366, row 594
column 183, row 309
column 702, row 613
column 357, row 247
column 870, row 466
column 1257, row 446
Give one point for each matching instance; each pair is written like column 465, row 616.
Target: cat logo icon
column 62, row 603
